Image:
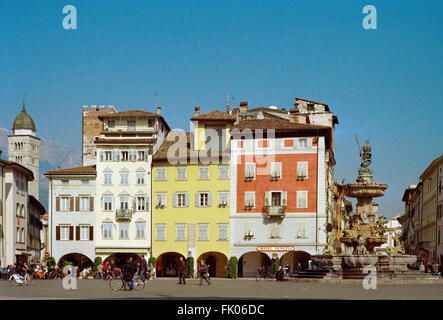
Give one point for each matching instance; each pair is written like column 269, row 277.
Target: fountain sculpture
column 364, row 230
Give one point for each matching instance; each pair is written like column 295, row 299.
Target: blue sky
column 384, row 85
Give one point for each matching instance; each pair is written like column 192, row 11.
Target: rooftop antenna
column 228, row 100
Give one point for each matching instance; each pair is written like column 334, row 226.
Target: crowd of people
column 433, row 268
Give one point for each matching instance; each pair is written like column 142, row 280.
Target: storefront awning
column 121, row 250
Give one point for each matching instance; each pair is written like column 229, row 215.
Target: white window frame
column 223, row 201
column 247, row 172
column 160, row 173
column 141, row 178
column 276, row 170
column 108, row 233
column 248, row 201
column 302, row 167
column 124, row 178
column 84, row 203
column 123, row 232
column 64, row 233
column 299, row 144
column 107, row 178
column 162, row 202
column 84, row 235
column 108, row 203
column 65, row 203
column 140, row 229
column 201, row 197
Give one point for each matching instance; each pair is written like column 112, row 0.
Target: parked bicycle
column 117, row 283
column 17, row 280
column 263, row 273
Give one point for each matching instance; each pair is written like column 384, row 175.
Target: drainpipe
column 316, row 211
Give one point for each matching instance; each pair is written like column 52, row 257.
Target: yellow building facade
column 190, row 208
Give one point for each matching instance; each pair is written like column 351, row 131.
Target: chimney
column 85, row 108
column 159, row 110
column 111, row 109
column 93, row 108
column 102, row 108
column 243, row 106
column 296, row 117
column 196, row 111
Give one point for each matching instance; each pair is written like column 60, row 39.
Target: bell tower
column 24, row 147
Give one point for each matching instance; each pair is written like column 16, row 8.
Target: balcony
column 123, row 215
column 275, row 212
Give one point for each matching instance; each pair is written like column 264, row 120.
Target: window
column 64, row 204
column 17, row 210
column 203, row 173
column 181, row 173
column 250, row 171
column 132, row 155
column 303, row 143
column 249, row 200
column 84, row 232
column 85, row 181
column 124, row 177
column 124, row 231
column 140, row 178
column 249, row 230
column 302, row 170
column 64, row 233
column 108, row 156
column 203, row 199
column 180, row 232
column 302, row 199
column 140, row 230
column 223, row 172
column 276, row 199
column 131, row 125
column 301, row 230
column 141, row 155
column 108, row 178
column 142, row 203
column 107, row 203
column 161, row 199
column 124, row 202
column 161, row 174
column 223, row 198
column 111, row 123
column 222, row 231
column 276, row 170
column 275, row 231
column 84, row 203
column 160, row 233
column 180, row 199
column 125, row 156
column 18, row 236
column 203, row 231
column 108, row 231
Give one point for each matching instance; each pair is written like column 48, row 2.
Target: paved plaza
column 223, row 289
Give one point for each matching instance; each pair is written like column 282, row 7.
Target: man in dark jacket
column 143, row 267
column 181, row 269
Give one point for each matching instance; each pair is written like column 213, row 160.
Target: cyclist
column 128, row 273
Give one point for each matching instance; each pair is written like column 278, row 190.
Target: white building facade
column 72, row 203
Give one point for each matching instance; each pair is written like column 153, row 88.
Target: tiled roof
column 263, row 109
column 130, row 113
column 86, row 170
column 215, row 115
column 274, row 124
column 17, row 165
column 162, row 152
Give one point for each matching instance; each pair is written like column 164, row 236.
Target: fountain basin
column 365, row 189
column 358, row 261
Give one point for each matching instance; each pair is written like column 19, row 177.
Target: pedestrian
column 288, row 271
column 99, row 271
column 203, row 273
column 181, row 270
column 422, row 267
column 144, row 268
column 227, row 270
column 128, row 273
column 209, row 277
column 279, row 275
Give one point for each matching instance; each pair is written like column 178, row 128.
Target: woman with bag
column 203, row 273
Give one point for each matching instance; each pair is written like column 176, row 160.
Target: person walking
column 203, row 273
column 144, row 268
column 128, row 273
column 181, row 270
column 288, row 270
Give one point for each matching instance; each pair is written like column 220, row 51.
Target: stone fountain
column 364, row 230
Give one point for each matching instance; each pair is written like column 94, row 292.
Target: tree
column 50, row 262
column 275, row 265
column 97, row 261
column 190, row 267
column 233, row 267
column 152, row 260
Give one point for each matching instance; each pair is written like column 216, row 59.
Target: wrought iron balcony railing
column 123, row 214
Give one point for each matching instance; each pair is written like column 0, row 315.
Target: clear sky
column 384, row 85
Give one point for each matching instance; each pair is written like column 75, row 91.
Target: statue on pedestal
column 364, row 173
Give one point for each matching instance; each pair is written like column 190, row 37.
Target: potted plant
column 233, row 267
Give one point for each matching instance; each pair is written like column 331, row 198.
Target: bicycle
column 117, row 283
column 17, row 280
column 263, row 273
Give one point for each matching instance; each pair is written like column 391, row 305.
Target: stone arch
column 78, row 259
column 249, row 263
column 166, row 264
column 217, row 263
column 294, row 257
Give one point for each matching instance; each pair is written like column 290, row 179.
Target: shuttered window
column 160, row 233
column 181, row 173
column 203, row 173
column 160, row 199
column 250, row 199
column 222, row 231
column 223, row 172
column 84, row 232
column 108, row 203
column 302, row 199
column 223, row 198
column 64, row 232
column 203, row 232
column 203, row 199
column 124, row 231
column 140, row 230
column 276, row 170
column 302, row 170
column 161, row 174
column 250, row 170
column 108, row 231
column 180, row 234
